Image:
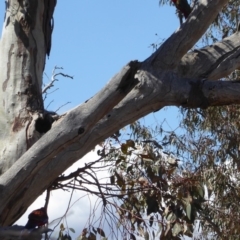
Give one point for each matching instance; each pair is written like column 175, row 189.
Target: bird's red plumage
column 37, row 218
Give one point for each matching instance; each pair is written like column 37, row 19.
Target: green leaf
column 188, row 199
column 72, row 230
column 172, row 161
column 62, row 228
column 60, row 235
column 146, row 235
column 94, row 230
column 150, row 172
column 66, row 237
column 118, row 161
column 177, row 228
column 132, row 237
column 145, row 157
column 92, row 236
column 131, row 143
column 171, row 217
column 82, row 238
column 160, row 228
column 151, row 221
column 167, row 229
column 200, row 191
column 84, row 232
column 112, row 180
column 152, row 205
column 101, row 232
column 124, row 148
column 129, row 169
column 120, row 180
column 140, row 230
column 188, row 210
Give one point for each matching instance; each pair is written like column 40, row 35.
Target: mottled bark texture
column 19, row 232
column 173, row 75
column 25, row 41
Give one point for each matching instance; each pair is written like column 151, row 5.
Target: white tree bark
column 171, row 76
column 23, row 48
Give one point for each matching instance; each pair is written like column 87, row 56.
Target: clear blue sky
column 93, row 40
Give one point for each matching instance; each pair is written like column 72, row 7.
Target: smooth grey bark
column 212, row 62
column 19, row 232
column 174, row 48
column 25, row 41
column 171, row 76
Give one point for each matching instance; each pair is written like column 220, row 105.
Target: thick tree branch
column 95, row 108
column 19, row 232
column 174, row 48
column 222, row 92
column 212, row 62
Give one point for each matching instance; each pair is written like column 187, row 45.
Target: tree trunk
column 24, row 43
column 171, row 76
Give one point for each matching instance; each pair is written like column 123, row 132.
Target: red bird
column 183, row 6
column 37, row 218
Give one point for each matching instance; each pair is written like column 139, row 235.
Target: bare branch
column 174, row 48
column 212, row 62
column 19, row 232
column 54, row 79
column 62, row 106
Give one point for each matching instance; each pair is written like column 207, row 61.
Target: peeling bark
column 212, row 62
column 24, row 43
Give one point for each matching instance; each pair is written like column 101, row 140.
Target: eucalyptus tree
column 36, row 147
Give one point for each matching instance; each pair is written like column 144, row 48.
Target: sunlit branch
column 188, row 34
column 212, row 62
